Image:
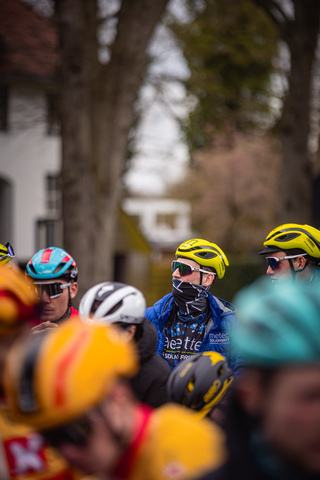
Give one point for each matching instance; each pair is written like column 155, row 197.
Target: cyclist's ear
column 301, row 261
column 208, row 279
column 73, row 289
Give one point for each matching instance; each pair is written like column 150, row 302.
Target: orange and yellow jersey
column 172, row 444
column 24, row 455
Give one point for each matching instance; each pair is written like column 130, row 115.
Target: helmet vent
column 116, row 307
column 33, row 270
column 286, row 237
column 59, row 267
column 96, row 304
column 206, row 255
column 190, row 385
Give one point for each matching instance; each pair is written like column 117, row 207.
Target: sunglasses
column 75, row 433
column 273, row 262
column 185, row 269
column 52, row 289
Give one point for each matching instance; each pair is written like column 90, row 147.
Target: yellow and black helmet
column 200, row 382
column 293, row 238
column 6, row 253
column 204, row 253
column 54, row 378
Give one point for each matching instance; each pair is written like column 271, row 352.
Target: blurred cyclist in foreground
column 69, row 384
column 273, row 419
column 24, row 454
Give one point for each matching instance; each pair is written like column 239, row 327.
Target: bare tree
column 97, row 104
column 298, row 25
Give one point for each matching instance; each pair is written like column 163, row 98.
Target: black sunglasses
column 76, row 432
column 52, row 289
column 185, row 269
column 274, row 262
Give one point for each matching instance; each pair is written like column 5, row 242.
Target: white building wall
column 27, row 155
column 152, row 213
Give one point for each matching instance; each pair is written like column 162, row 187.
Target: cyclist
column 202, row 382
column 124, row 306
column 6, row 253
column 191, row 320
column 77, row 396
column 273, row 420
column 24, row 455
column 293, row 250
column 54, row 274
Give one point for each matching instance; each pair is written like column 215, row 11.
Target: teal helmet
column 51, row 263
column 280, row 326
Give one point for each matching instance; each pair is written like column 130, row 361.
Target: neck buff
column 191, row 298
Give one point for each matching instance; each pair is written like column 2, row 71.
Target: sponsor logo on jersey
column 221, row 338
column 25, row 455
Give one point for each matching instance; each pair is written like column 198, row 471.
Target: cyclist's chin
column 48, row 316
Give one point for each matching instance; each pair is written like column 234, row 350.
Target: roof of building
column 28, row 43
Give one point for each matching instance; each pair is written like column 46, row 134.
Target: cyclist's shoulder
column 160, row 306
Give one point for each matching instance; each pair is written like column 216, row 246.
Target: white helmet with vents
column 112, row 302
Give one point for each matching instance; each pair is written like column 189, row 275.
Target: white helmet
column 112, row 302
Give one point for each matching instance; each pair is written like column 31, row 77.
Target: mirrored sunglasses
column 185, row 269
column 52, row 289
column 76, row 432
column 274, row 262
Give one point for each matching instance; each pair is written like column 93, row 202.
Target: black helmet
column 200, row 382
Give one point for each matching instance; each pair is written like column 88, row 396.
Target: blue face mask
column 191, row 298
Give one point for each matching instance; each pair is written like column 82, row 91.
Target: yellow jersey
column 25, row 456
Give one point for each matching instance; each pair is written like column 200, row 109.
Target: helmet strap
column 295, row 272
column 67, row 313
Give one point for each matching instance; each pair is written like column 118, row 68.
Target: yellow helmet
column 54, row 378
column 6, row 253
column 18, row 302
column 204, row 253
column 292, row 236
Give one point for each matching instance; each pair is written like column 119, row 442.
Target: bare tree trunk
column 97, row 112
column 294, row 127
column 300, row 33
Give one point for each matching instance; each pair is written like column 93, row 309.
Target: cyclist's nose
column 269, row 271
column 45, row 296
column 176, row 273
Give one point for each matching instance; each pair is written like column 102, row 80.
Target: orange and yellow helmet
column 54, row 378
column 18, row 303
column 204, row 253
